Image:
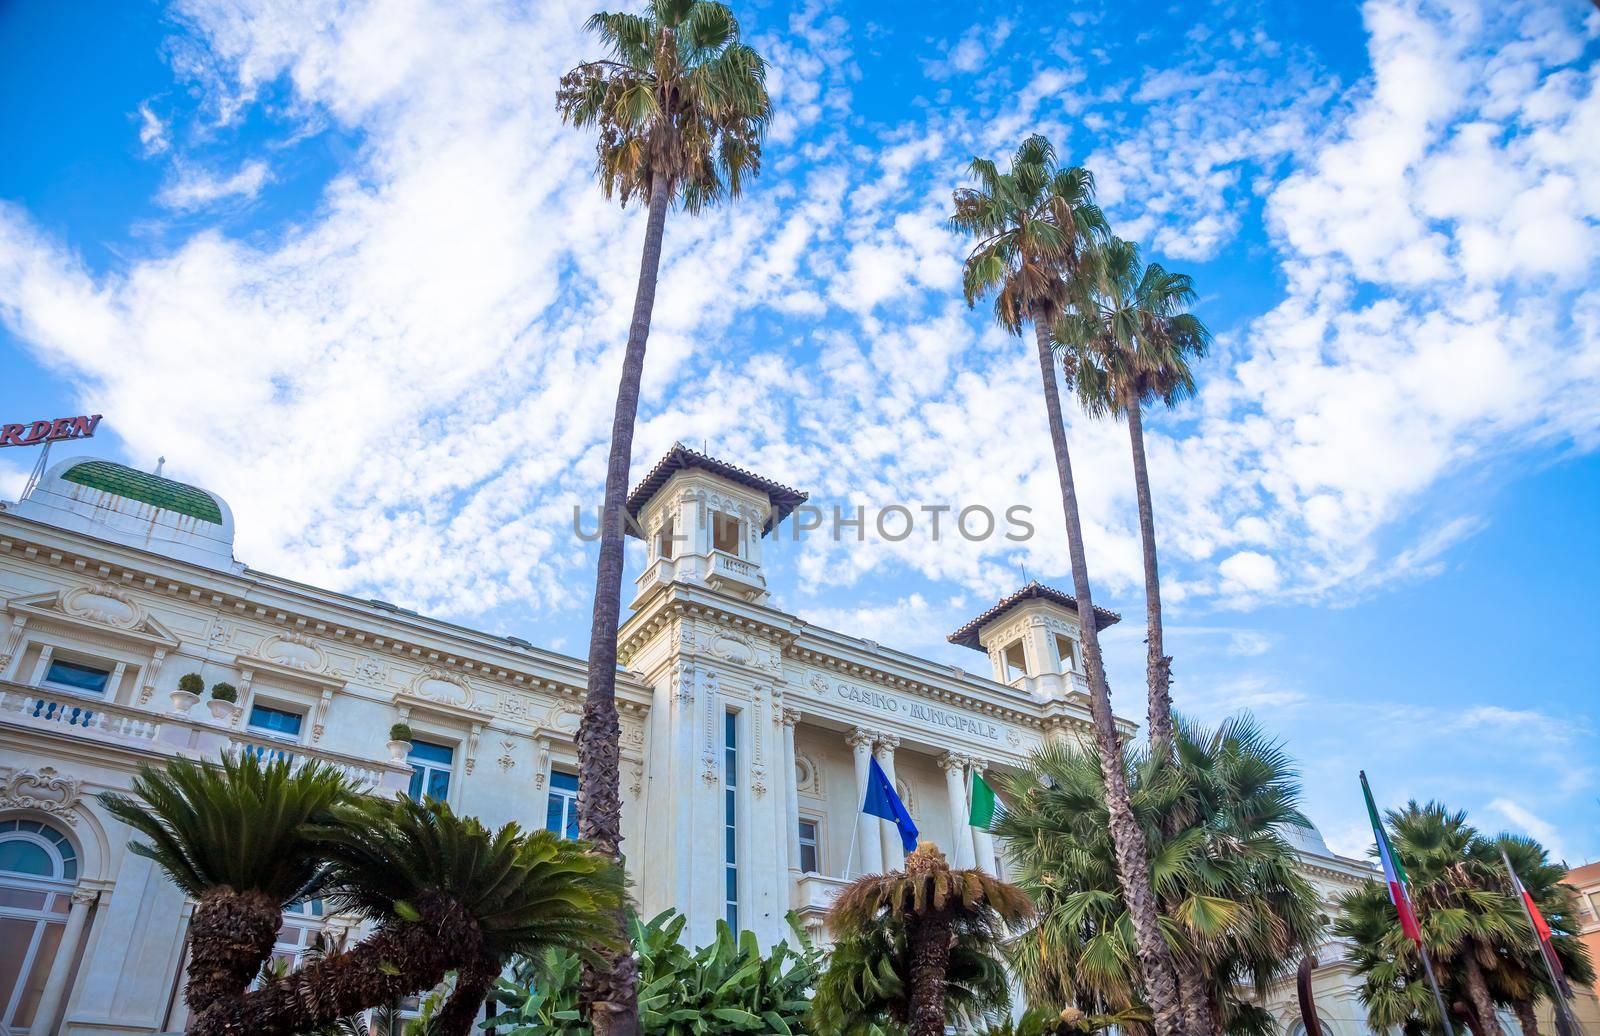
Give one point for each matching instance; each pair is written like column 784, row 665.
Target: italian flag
column 1393, row 873
column 982, row 811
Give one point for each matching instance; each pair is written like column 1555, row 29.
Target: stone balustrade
column 158, row 734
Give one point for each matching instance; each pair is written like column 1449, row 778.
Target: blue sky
column 342, row 264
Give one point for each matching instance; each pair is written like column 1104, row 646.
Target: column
column 55, row 987
column 868, row 846
column 894, row 854
column 955, row 785
column 791, row 794
column 983, row 842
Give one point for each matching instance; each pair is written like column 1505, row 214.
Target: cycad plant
column 1129, row 344
column 1234, row 910
column 898, row 935
column 1037, row 228
column 445, row 893
column 238, row 837
column 681, row 105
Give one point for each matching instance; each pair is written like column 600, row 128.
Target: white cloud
column 152, row 131
column 1531, row 824
column 192, row 188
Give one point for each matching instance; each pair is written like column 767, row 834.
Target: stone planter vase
column 223, row 712
column 183, row 701
column 398, row 750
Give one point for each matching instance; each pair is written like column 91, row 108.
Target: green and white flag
column 982, row 802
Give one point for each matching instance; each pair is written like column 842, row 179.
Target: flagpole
column 849, row 857
column 1384, row 848
column 1565, row 1023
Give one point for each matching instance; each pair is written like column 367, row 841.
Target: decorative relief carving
column 370, row 671
column 507, row 760
column 758, row 782
column 320, row 720
column 564, row 718
column 542, row 763
column 636, row 781
column 515, row 706
column 295, row 650
column 44, row 789
column 149, row 686
column 108, row 605
column 807, row 778
column 819, row 683
column 735, row 647
column 444, row 687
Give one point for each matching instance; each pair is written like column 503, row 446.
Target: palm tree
column 1520, row 979
column 1462, row 910
column 1036, row 226
column 236, row 836
column 1475, row 929
column 445, row 893
column 910, row 924
column 1233, row 906
column 681, row 106
column 1130, row 346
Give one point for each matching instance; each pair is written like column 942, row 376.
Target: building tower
column 1034, row 642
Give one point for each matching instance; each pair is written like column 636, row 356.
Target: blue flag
column 882, row 802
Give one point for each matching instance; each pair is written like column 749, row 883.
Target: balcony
column 811, row 897
column 40, row 711
column 734, row 575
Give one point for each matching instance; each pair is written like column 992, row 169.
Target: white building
column 746, row 730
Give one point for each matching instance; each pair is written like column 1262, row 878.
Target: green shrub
column 726, row 986
column 192, row 683
column 400, row 732
column 224, row 692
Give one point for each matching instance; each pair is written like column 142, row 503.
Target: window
column 302, row 925
column 808, row 847
column 279, row 723
column 78, row 677
column 727, row 533
column 664, row 539
column 430, row 770
column 1066, row 655
column 1015, row 660
column 38, row 871
column 561, row 815
column 730, row 816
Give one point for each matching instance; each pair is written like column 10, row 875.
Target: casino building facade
column 746, row 730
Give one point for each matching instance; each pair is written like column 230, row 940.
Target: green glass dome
column 146, row 488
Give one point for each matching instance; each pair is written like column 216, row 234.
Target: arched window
column 38, row 871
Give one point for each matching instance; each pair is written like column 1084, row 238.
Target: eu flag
column 882, row 802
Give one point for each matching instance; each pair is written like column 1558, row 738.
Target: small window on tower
column 727, row 533
column 1016, row 661
column 1065, row 652
column 664, row 539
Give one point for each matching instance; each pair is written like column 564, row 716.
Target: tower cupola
column 703, row 521
column 1033, row 640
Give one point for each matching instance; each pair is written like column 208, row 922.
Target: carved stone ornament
column 295, row 650
column 370, row 670
column 819, row 683
column 443, row 687
column 507, row 760
column 43, row 789
column 108, row 605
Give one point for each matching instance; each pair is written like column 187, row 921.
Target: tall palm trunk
column 1158, row 664
column 1133, row 865
column 230, row 937
column 1198, row 1015
column 1478, row 995
column 611, row 994
column 1526, row 1017
column 930, row 962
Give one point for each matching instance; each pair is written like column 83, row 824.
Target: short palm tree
column 1130, row 345
column 681, row 105
column 237, row 836
column 445, row 893
column 935, row 910
column 1233, row 907
column 1037, row 227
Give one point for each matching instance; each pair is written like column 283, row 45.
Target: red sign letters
column 48, row 431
